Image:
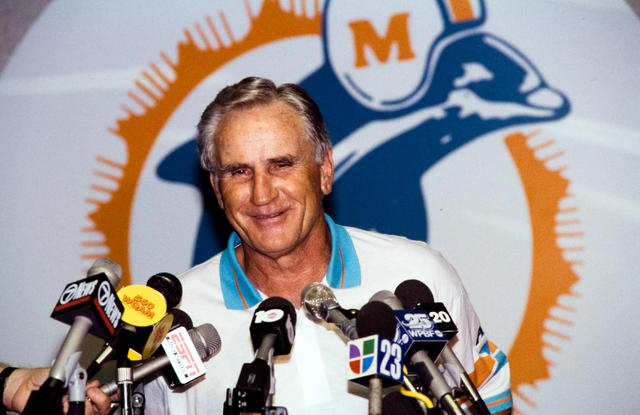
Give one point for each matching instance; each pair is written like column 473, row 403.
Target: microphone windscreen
column 312, row 297
column 281, row 303
column 169, row 286
column 412, row 293
column 274, row 316
column 143, row 305
column 108, row 267
column 206, row 340
column 388, row 298
column 180, row 319
column 376, row 317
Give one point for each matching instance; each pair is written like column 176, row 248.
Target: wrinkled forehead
column 268, row 130
column 276, row 111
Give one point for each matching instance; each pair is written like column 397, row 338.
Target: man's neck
column 286, row 275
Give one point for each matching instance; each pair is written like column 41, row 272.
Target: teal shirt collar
column 239, row 293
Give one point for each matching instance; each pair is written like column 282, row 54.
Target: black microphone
column 377, row 318
column 415, row 295
column 272, row 333
column 91, row 306
column 206, row 340
column 320, row 304
column 273, row 327
column 169, row 286
column 419, row 357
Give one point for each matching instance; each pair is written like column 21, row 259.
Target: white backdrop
column 64, row 88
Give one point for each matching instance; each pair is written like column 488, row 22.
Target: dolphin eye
column 473, row 72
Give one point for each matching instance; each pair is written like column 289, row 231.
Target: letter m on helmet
column 364, row 34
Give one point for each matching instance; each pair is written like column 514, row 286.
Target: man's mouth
column 269, row 216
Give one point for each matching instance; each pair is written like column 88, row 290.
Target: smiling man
column 270, row 161
column 268, row 182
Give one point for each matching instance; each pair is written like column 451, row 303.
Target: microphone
column 272, row 333
column 415, row 328
column 320, row 304
column 273, row 327
column 91, row 306
column 144, row 306
column 388, row 298
column 416, row 295
column 169, row 286
column 374, row 358
column 416, row 333
column 206, row 340
column 376, row 317
column 379, row 317
column 172, row 320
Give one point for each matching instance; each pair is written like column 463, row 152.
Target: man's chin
column 271, row 246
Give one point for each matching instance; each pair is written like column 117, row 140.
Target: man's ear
column 326, row 173
column 216, row 189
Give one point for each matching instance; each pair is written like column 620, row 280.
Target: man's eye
column 283, row 164
column 239, row 172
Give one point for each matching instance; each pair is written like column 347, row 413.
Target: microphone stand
column 250, row 392
column 124, row 380
column 124, row 374
column 375, row 396
column 265, row 352
column 465, row 381
column 425, row 368
column 48, row 398
column 77, row 391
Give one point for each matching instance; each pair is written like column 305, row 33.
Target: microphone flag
column 374, row 355
column 183, row 355
column 417, row 331
column 93, row 297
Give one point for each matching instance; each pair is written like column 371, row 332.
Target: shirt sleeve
column 486, row 364
column 491, row 374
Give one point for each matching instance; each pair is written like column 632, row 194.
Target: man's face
column 269, row 183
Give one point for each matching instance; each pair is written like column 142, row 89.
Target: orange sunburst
column 551, row 275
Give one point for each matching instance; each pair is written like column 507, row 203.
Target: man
column 270, row 163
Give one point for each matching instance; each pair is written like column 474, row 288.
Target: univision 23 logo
column 374, row 355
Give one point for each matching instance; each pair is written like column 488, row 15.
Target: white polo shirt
column 311, row 379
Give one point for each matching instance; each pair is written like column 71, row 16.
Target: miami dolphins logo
column 401, row 87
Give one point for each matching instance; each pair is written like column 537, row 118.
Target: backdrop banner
column 506, row 134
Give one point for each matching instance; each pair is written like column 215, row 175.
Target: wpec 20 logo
column 403, row 86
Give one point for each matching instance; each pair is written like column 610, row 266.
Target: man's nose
column 264, row 190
